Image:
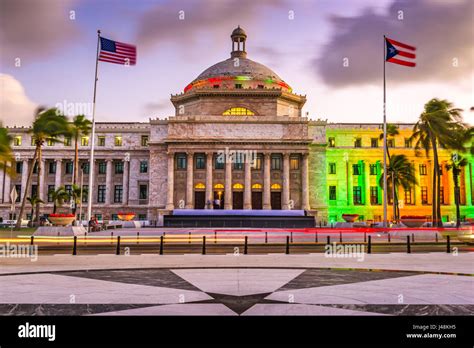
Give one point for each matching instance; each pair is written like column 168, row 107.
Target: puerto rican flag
column 117, row 52
column 399, row 49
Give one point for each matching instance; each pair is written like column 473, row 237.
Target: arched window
column 257, row 186
column 200, row 186
column 219, row 186
column 276, row 187
column 238, row 187
column 238, row 112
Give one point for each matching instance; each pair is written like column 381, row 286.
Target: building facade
column 238, row 140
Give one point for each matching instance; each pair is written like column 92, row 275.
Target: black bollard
column 408, row 245
column 117, row 252
column 111, row 237
column 436, row 237
column 32, row 240
column 204, row 245
column 138, row 237
column 189, row 237
column 340, row 237
column 328, row 240
column 365, row 237
column 369, row 245
column 215, row 236
column 315, row 237
column 266, row 237
column 388, row 236
column 291, row 240
column 287, row 251
column 245, row 245
column 161, row 245
column 74, row 247
column 448, row 244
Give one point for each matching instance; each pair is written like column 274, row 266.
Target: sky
column 329, row 50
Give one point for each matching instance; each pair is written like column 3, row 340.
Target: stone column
column 266, row 182
column 286, row 182
column 189, row 181
column 248, row 184
column 305, row 183
column 209, row 190
column 24, row 178
column 125, row 181
column 170, row 193
column 41, row 182
column 58, row 175
column 108, row 181
column 7, row 188
column 228, row 183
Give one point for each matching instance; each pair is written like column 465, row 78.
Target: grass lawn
column 6, row 232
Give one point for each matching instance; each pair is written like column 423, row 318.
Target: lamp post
column 82, row 184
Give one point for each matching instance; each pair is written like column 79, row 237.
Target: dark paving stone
column 239, row 304
column 312, row 278
column 151, row 277
column 65, row 309
column 418, row 310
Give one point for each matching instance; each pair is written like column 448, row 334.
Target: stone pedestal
column 61, row 231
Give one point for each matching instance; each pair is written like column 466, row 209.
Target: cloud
column 15, row 107
column 441, row 30
column 34, row 29
column 163, row 104
column 211, row 19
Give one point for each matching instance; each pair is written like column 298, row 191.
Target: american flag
column 117, row 52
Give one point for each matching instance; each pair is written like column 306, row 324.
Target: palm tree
column 80, row 126
column 35, row 202
column 456, row 164
column 58, row 196
column 400, row 172
column 392, row 130
column 76, row 195
column 47, row 126
column 438, row 125
column 6, row 155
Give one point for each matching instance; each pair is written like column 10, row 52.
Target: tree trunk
column 436, row 186
column 40, row 167
column 76, row 160
column 54, row 208
column 457, row 195
column 394, row 197
column 23, row 201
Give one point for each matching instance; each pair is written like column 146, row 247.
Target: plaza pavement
column 307, row 284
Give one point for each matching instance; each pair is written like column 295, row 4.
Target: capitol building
column 238, row 140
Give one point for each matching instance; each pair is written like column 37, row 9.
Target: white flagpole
column 385, row 195
column 91, row 161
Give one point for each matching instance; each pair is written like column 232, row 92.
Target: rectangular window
column 143, row 194
column 118, row 192
column 34, row 190
column 257, row 165
column 332, row 142
column 332, row 168
column 408, row 196
column 86, row 168
column 374, row 142
column 239, row 161
column 215, row 86
column 50, row 142
column 373, row 169
column 118, row 140
column 357, row 195
column 69, row 167
column 294, row 163
column 276, row 162
column 85, row 193
column 101, row 194
column 119, row 167
column 52, row 167
column 355, row 169
column 50, row 193
column 19, row 167
column 35, row 168
column 18, row 191
column 143, row 167
column 332, row 193
column 84, row 141
column 238, row 86
column 200, row 162
column 67, row 141
column 101, row 140
column 358, row 142
column 390, row 142
column 144, row 140
column 114, row 217
column 33, row 141
column 102, row 167
column 219, row 162
column 17, row 140
column 422, row 169
column 141, row 217
column 68, row 189
column 181, row 161
column 374, row 195
column 424, row 195
column 408, row 143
